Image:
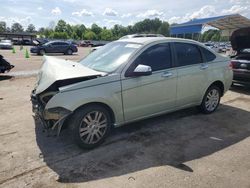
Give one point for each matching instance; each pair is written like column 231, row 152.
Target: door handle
column 204, row 66
column 167, row 74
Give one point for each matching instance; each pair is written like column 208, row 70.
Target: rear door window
column 187, row 54
column 54, row 43
column 62, row 43
column 209, row 56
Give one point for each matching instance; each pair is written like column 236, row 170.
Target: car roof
column 147, row 40
column 141, row 35
column 57, row 41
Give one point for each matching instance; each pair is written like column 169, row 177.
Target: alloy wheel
column 93, row 127
column 212, row 99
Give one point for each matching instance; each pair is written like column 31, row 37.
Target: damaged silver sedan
column 126, row 81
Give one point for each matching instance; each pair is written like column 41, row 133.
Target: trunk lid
column 240, row 39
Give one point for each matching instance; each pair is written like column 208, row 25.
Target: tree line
column 63, row 30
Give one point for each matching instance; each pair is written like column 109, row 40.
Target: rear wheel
column 211, row 100
column 90, row 126
column 69, row 52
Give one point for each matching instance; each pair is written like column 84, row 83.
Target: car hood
column 40, row 41
column 54, row 70
column 240, row 39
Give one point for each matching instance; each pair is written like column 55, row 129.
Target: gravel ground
column 181, row 149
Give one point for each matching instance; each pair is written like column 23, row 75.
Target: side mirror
column 142, row 70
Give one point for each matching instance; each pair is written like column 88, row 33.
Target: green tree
column 164, row 29
column 2, row 27
column 69, row 30
column 211, row 35
column 106, row 35
column 61, row 26
column 96, row 29
column 147, row 26
column 48, row 33
column 59, row 35
column 130, row 29
column 16, row 28
column 8, row 30
column 90, row 35
column 75, row 36
column 80, row 30
column 41, row 30
column 31, row 28
column 118, row 31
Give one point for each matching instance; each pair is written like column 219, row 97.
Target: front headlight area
column 45, row 97
column 55, row 113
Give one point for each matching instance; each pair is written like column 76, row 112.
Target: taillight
column 232, row 64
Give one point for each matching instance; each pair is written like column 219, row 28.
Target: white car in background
column 6, row 44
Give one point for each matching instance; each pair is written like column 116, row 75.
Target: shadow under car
column 171, row 139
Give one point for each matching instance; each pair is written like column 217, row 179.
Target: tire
column 41, row 52
column 69, row 52
column 211, row 100
column 87, row 134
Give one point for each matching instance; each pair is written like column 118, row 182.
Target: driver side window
column 158, row 57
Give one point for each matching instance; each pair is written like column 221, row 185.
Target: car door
column 62, row 47
column 148, row 95
column 191, row 73
column 51, row 48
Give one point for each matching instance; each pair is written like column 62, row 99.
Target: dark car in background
column 66, row 48
column 86, row 43
column 5, row 66
column 240, row 41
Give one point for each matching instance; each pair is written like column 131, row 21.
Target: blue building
column 192, row 29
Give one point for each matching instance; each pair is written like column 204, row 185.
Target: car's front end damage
column 54, row 74
column 51, row 118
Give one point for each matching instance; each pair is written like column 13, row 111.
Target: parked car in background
column 5, row 66
column 6, row 44
column 86, row 43
column 126, row 81
column 55, row 47
column 141, row 35
column 24, row 42
column 212, row 46
column 76, row 43
column 240, row 41
column 209, row 45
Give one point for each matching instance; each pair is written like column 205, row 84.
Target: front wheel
column 211, row 100
column 41, row 52
column 90, row 126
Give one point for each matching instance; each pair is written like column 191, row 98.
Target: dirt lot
column 181, row 149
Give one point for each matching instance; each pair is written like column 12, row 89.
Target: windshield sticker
column 133, row 46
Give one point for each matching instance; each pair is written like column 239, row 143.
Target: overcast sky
column 110, row 12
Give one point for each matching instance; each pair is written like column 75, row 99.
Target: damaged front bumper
column 50, row 118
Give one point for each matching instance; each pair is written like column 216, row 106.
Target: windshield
column 109, row 57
